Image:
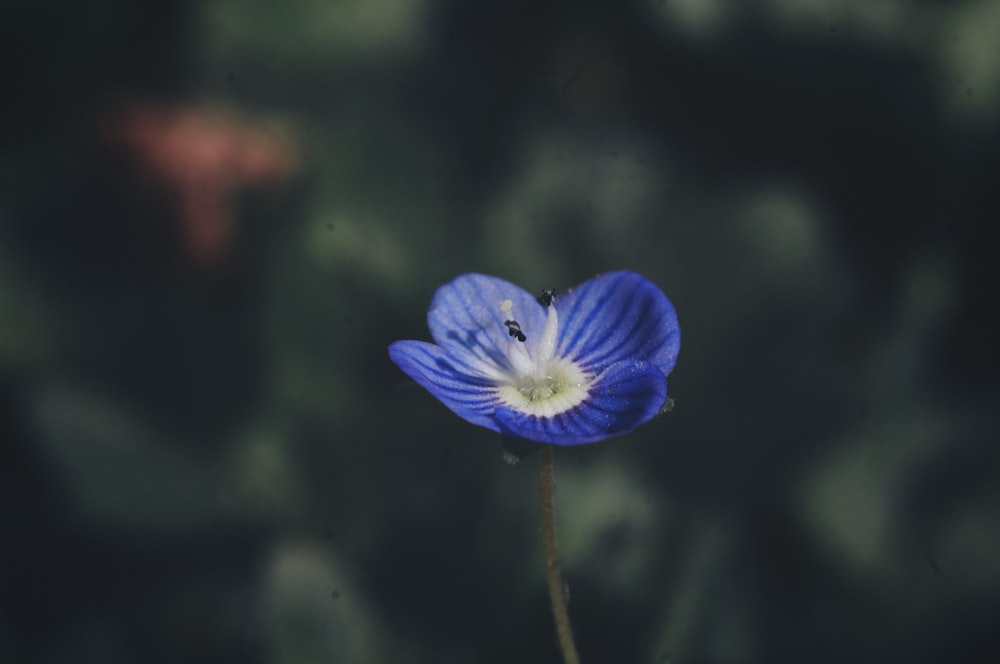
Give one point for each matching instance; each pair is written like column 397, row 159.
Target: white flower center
column 540, row 383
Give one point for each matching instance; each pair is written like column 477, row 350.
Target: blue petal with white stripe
column 588, row 368
column 452, row 383
column 624, row 396
column 619, row 316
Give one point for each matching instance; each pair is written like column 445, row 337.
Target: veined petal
column 465, row 319
column 624, row 396
column 593, row 367
column 469, row 395
column 618, row 316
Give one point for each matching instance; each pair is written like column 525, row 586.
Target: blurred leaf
column 117, row 472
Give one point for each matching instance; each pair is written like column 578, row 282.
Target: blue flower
column 511, row 362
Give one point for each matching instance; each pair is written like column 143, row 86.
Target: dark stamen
column 547, row 297
column 514, row 329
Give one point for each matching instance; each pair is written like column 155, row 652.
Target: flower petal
column 618, row 316
column 465, row 319
column 469, row 396
column 623, row 397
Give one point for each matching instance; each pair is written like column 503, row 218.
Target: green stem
column 553, row 575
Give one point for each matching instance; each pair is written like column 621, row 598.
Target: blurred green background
column 207, row 455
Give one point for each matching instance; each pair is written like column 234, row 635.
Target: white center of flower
column 540, row 383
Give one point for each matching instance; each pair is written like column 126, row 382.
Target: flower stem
column 553, row 574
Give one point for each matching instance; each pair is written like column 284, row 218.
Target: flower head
column 565, row 370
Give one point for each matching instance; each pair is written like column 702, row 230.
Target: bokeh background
column 215, row 216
